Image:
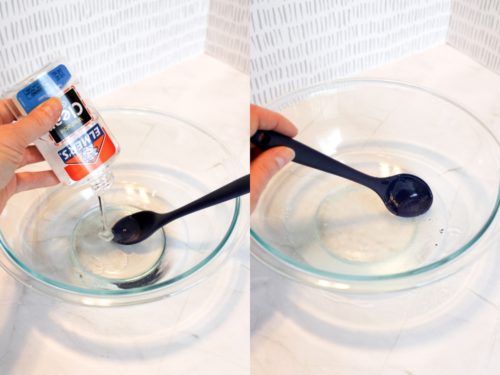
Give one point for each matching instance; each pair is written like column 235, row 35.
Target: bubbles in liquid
column 353, row 226
column 106, row 235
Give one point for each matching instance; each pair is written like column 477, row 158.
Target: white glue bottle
column 80, row 147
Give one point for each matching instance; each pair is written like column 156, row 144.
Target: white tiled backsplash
column 294, row 43
column 109, row 43
column 299, row 43
column 227, row 34
column 475, row 30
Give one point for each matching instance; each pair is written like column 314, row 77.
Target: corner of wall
column 227, row 32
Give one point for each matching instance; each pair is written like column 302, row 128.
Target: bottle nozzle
column 102, row 182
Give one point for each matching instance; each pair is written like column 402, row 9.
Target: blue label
column 46, row 86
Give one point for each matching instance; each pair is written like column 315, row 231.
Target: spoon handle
column 305, row 155
column 234, row 189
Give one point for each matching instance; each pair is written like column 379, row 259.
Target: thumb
column 38, row 122
column 264, row 167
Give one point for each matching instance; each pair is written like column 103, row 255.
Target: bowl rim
column 171, row 286
column 274, row 258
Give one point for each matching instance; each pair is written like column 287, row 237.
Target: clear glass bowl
column 331, row 233
column 165, row 163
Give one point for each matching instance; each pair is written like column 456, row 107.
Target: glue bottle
column 80, row 147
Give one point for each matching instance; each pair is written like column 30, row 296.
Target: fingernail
column 285, row 157
column 50, row 107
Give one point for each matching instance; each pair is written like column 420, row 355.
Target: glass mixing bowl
column 331, row 233
column 48, row 236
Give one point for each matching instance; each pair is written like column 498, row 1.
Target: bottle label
column 81, row 143
column 47, row 85
column 74, row 115
column 87, row 152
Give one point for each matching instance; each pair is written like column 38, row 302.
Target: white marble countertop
column 448, row 328
column 204, row 330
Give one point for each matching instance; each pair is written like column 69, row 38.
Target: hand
column 264, row 165
column 15, row 149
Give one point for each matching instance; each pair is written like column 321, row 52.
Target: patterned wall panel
column 108, row 42
column 227, row 35
column 475, row 30
column 298, row 43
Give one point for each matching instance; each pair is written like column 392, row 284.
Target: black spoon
column 137, row 227
column 404, row 194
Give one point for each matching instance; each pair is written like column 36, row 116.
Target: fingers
column 264, row 167
column 31, row 155
column 38, row 122
column 266, row 164
column 33, row 180
column 6, row 115
column 264, row 119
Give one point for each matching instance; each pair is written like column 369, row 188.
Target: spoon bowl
column 406, row 195
column 128, row 229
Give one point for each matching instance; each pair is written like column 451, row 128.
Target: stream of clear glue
column 105, row 233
